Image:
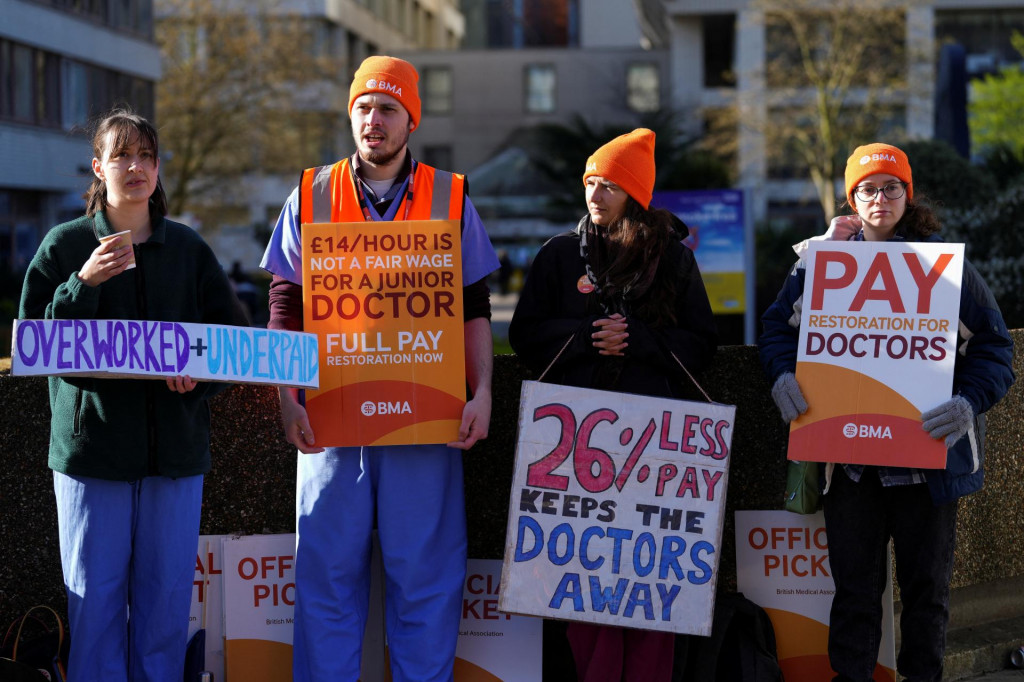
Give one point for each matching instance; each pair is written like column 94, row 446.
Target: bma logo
column 852, row 430
column 374, row 84
column 868, row 158
column 370, row 408
column 592, row 166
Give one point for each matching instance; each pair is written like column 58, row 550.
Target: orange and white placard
column 385, row 301
column 782, row 565
column 877, row 346
column 259, row 601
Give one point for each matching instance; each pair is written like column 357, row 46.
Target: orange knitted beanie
column 628, row 161
column 390, row 76
column 877, row 158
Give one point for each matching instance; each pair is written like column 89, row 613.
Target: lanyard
column 364, row 204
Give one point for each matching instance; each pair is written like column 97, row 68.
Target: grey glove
column 950, row 420
column 788, row 398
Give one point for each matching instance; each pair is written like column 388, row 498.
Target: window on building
column 135, row 16
column 984, row 34
column 539, row 80
column 719, row 32
column 643, row 87
column 438, row 156
column 429, row 30
column 44, row 89
column 75, row 89
column 29, row 84
column 47, row 95
column 323, row 37
column 437, row 90
column 22, row 92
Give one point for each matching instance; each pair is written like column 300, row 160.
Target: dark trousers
column 859, row 520
column 605, row 653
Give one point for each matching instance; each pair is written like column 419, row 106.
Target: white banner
column 617, row 508
column 143, row 348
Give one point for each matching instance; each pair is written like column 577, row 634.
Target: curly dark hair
column 919, row 220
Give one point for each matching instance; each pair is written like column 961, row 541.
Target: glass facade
column 42, row 88
column 132, row 16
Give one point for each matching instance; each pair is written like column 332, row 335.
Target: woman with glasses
column 618, row 305
column 865, row 506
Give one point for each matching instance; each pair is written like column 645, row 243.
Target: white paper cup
column 122, row 239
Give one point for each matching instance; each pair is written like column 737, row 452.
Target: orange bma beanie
column 628, row 161
column 877, row 158
column 390, row 76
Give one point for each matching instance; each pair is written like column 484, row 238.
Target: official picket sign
column 259, row 603
column 494, row 646
column 617, row 508
column 782, row 565
column 145, row 348
column 385, row 299
column 877, row 348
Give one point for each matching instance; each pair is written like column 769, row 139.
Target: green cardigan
column 126, row 429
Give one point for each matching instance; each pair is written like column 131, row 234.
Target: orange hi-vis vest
column 328, row 194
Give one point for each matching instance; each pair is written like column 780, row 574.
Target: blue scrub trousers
column 415, row 493
column 128, row 551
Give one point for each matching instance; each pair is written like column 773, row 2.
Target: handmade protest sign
column 385, row 300
column 145, row 348
column 877, row 348
column 617, row 508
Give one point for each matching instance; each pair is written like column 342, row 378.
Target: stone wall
column 251, row 487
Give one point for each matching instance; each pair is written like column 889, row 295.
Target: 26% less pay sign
column 617, row 508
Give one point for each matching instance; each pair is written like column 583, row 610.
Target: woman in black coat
column 618, row 304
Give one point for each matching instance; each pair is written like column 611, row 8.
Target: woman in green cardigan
column 128, row 455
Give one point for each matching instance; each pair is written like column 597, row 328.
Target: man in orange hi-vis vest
column 414, row 492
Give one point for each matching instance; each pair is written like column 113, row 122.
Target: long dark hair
column 627, row 260
column 123, row 128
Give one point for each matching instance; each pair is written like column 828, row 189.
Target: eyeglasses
column 894, row 190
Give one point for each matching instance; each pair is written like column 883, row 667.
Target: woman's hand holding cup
column 113, row 256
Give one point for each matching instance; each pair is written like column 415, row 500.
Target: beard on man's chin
column 381, row 158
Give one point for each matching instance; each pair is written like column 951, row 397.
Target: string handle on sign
column 555, row 359
column 699, row 387
column 672, row 353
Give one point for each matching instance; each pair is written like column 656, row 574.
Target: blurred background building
column 61, row 63
column 515, row 94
